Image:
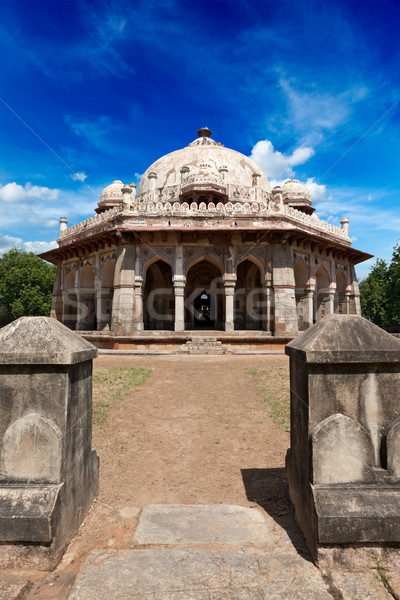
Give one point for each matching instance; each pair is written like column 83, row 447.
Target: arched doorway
column 204, row 297
column 158, row 297
column 69, row 300
column 250, row 298
column 87, row 309
column 322, row 292
column 107, row 292
column 301, row 280
column 340, row 296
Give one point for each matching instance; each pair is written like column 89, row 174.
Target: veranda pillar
column 285, row 313
column 179, row 292
column 122, row 307
column 229, row 287
column 138, row 319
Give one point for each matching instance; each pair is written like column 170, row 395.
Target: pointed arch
column 301, row 278
column 250, row 300
column 154, row 259
column 254, row 260
column 86, row 280
column 107, row 273
column 322, row 281
column 204, row 295
column 213, row 260
column 158, row 296
column 340, row 295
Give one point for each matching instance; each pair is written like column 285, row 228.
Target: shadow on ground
column 270, row 489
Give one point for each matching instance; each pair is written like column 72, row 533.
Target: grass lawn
column 274, row 384
column 111, row 385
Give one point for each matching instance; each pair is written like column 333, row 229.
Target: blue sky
column 96, row 91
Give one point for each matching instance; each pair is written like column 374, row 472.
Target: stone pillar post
column 345, row 226
column 122, row 306
column 330, row 305
column 79, row 311
column 268, row 301
column 285, row 313
column 49, row 472
column 63, row 225
column 179, row 291
column 356, row 289
column 347, row 300
column 229, row 288
column 138, row 321
column 309, row 307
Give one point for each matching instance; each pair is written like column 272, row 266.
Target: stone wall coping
column 42, row 341
column 344, row 339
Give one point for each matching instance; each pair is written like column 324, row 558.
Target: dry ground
column 197, row 430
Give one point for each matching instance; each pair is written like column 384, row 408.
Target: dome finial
column 204, row 132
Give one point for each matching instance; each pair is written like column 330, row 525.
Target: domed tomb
column 203, row 171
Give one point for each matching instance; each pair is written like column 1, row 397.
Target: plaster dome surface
column 111, row 195
column 205, row 159
column 293, row 190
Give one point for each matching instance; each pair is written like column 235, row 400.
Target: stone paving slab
column 357, row 586
column 177, row 524
column 13, row 587
column 192, row 574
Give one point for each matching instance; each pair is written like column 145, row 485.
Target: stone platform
column 215, row 552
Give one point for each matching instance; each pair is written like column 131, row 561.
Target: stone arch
column 69, row 279
column 158, row 296
column 254, row 260
column 32, row 450
column 342, row 451
column 340, row 295
column 69, row 299
column 250, row 299
column 153, row 259
column 87, row 317
column 301, row 277
column 210, row 258
column 86, row 280
column 204, row 295
column 104, row 304
column 322, row 281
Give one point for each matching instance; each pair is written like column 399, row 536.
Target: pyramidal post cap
column 42, row 341
column 344, row 339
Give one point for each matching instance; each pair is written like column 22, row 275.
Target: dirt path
column 197, row 431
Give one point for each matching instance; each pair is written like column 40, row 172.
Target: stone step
column 204, row 345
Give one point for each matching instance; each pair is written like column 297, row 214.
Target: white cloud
column 275, row 164
column 51, row 223
column 318, row 191
column 7, row 242
column 15, row 193
column 80, row 176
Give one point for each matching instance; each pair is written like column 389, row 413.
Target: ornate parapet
column 147, row 206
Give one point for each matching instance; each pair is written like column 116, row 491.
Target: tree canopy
column 380, row 293
column 26, row 285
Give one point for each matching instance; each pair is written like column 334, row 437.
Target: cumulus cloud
column 7, row 242
column 275, row 164
column 13, row 193
column 80, row 176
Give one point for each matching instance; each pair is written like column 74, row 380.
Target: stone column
column 347, row 300
column 356, row 289
column 268, row 294
column 79, row 311
column 285, row 313
column 49, row 472
column 179, row 292
column 343, row 464
column 330, row 305
column 123, row 299
column 229, row 288
column 309, row 307
column 138, row 320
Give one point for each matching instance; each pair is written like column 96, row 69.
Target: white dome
column 293, row 190
column 207, row 160
column 111, row 195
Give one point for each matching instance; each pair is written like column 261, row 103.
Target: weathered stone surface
column 361, row 342
column 201, row 524
column 343, row 460
column 13, row 587
column 354, row 586
column 45, row 438
column 341, row 451
column 42, row 340
column 166, row 574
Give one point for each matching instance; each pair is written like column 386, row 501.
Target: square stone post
column 123, row 298
column 48, row 470
column 229, row 287
column 285, row 313
column 138, row 321
column 343, row 464
column 179, row 292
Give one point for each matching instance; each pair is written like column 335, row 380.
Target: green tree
column 374, row 294
column 26, row 285
column 393, row 295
